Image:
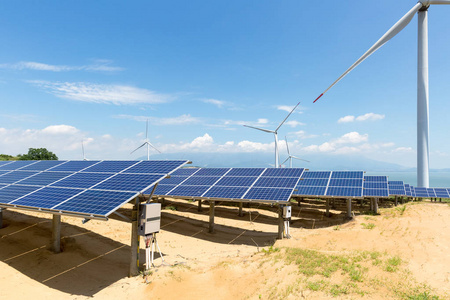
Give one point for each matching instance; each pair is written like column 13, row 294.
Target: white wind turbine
column 290, row 157
column 275, row 133
column 422, row 80
column 82, row 148
column 147, row 142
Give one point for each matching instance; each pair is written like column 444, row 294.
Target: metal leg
column 56, row 233
column 211, row 216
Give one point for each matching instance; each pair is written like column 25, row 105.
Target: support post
column 375, row 205
column 299, row 200
column 349, row 209
column 134, row 254
column 241, row 214
column 280, row 222
column 327, row 205
column 199, row 209
column 371, row 204
column 56, row 233
column 211, row 216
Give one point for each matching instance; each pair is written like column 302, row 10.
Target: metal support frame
column 56, row 233
column 241, row 214
column 349, row 209
column 375, row 206
column 280, row 223
column 135, row 238
column 212, row 206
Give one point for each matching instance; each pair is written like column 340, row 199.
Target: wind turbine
column 290, row 157
column 275, row 133
column 82, row 148
column 421, row 8
column 147, row 142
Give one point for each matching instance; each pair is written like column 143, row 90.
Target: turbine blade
column 150, row 144
column 286, row 160
column 386, row 37
column 299, row 158
column 287, row 146
column 262, row 129
column 138, row 148
column 286, row 117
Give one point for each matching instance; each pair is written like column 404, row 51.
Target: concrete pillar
column 280, row 223
column 134, row 251
column 211, row 216
column 327, row 204
column 375, row 205
column 241, row 214
column 199, row 209
column 349, row 208
column 56, row 233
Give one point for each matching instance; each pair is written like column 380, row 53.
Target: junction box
column 149, row 218
column 287, row 212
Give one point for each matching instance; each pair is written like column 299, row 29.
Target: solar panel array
column 250, row 184
column 396, row 188
column 376, row 186
column 331, row 184
column 82, row 188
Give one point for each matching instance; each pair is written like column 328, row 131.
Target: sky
column 95, row 71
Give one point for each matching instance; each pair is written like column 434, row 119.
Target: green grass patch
column 369, row 226
column 170, row 207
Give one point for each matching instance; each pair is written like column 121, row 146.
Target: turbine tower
column 82, row 149
column 290, row 157
column 421, row 8
column 147, row 142
column 275, row 133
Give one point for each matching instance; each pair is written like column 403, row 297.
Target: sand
column 223, row 265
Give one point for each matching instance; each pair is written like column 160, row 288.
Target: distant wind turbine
column 275, row 133
column 421, row 8
column 147, row 142
column 82, row 148
column 290, row 157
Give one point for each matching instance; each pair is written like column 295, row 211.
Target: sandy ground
column 223, row 265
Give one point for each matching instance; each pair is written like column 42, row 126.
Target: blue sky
column 199, row 70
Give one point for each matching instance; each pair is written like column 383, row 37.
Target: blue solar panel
column 396, row 182
column 4, row 162
column 397, row 191
column 316, row 174
column 233, row 181
column 128, row 182
column 17, row 164
column 247, row 172
column 155, row 167
column 344, row 191
column 441, row 193
column 111, row 166
column 74, row 165
column 43, row 165
column 95, row 202
column 431, row 192
column 46, row 197
column 174, row 180
column 189, row 190
column 271, row 194
column 161, row 189
column 369, row 192
column 313, row 182
column 15, row 176
column 44, row 178
column 226, row 192
column 201, row 180
column 13, row 192
column 82, row 180
column 421, row 192
column 375, row 185
column 311, row 190
column 4, row 172
column 212, row 172
column 285, row 182
column 346, row 182
column 347, row 174
column 376, row 178
column 283, row 172
column 185, row 171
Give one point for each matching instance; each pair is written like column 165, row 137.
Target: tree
column 7, row 157
column 38, row 154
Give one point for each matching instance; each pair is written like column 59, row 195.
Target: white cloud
column 99, row 65
column 339, row 145
column 302, row 134
column 288, row 108
column 352, row 138
column 180, row 120
column 362, row 118
column 294, row 123
column 60, row 129
column 403, row 150
column 216, row 102
column 101, row 93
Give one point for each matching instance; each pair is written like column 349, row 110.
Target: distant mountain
column 265, row 160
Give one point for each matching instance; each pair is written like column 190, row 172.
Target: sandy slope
column 223, row 265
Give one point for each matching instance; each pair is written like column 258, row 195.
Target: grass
column 369, row 226
column 270, row 250
column 170, row 207
column 392, row 264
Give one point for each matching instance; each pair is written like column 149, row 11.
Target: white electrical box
column 149, row 218
column 287, row 211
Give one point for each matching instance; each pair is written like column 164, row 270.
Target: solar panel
column 185, row 171
column 173, row 180
column 311, row 190
column 421, row 192
column 346, row 182
column 431, row 193
column 316, row 174
column 15, row 176
column 396, row 188
column 376, row 186
column 235, row 183
column 344, row 191
column 441, row 193
column 313, row 182
column 347, row 174
column 376, row 193
column 60, row 184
